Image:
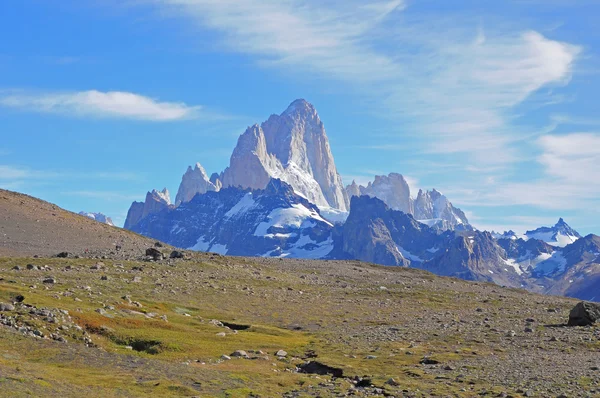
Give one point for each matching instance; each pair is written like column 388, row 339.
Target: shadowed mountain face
column 429, row 207
column 270, row 222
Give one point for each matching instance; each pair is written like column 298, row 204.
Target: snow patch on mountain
column 560, row 235
column 98, row 217
column 554, row 265
column 245, row 204
column 294, row 217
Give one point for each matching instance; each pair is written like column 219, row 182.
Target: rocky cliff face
column 292, row 147
column 376, row 233
column 434, row 209
column 195, row 181
column 430, row 207
column 154, row 203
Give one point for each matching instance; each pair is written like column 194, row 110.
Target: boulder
column 240, row 354
column 6, row 307
column 584, row 314
column 177, row 254
column 154, row 253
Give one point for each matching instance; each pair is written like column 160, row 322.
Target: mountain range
column 281, row 196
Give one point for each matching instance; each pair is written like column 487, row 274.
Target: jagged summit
column 429, row 207
column 560, row 235
column 162, row 196
column 300, row 107
column 293, row 147
column 194, row 181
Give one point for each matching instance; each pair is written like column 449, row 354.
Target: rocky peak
column 430, row 207
column 194, row 181
column 301, row 108
column 293, row 147
column 560, row 235
column 155, row 202
column 161, row 196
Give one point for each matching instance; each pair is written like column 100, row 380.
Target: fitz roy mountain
column 292, row 147
column 278, row 195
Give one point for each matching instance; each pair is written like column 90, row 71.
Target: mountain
column 101, row 321
column 376, row 233
column 292, row 147
column 525, row 254
column 505, row 235
column 430, row 207
column 559, row 235
column 98, row 217
column 272, row 222
column 195, row 181
column 573, row 270
column 155, row 202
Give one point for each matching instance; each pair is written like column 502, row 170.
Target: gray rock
column 154, row 253
column 281, row 353
column 584, row 314
column 176, row 254
column 6, row 307
column 240, row 354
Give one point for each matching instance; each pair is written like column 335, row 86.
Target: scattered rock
column 63, row 255
column 6, row 307
column 49, row 280
column 225, row 357
column 429, row 361
column 281, row 353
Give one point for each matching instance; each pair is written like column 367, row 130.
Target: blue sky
column 493, row 103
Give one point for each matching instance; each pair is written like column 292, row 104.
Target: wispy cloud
column 111, row 196
column 454, row 83
column 569, row 182
column 93, row 103
column 13, row 172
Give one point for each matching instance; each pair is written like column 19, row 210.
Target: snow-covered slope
column 292, row 147
column 98, row 217
column 560, row 235
column 274, row 222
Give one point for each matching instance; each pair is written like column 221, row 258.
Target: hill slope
column 209, row 325
column 29, row 226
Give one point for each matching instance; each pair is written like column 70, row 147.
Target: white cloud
column 325, row 38
column 12, row 173
column 570, row 180
column 573, row 158
column 452, row 82
column 92, row 103
column 111, row 196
